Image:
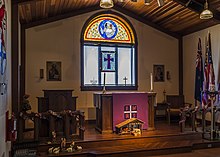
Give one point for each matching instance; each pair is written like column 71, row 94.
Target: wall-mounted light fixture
column 168, row 75
column 41, row 73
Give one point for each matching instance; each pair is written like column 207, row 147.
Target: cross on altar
column 109, row 59
column 130, row 111
column 125, row 79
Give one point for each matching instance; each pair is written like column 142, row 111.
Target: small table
column 161, row 111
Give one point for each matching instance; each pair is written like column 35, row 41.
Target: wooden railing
column 72, row 125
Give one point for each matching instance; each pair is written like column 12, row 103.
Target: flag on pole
column 209, row 76
column 199, row 78
column 3, row 29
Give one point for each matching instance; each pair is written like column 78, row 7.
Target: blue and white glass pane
column 109, row 78
column 124, row 66
column 90, row 65
column 108, row 61
column 107, row 48
column 108, row 29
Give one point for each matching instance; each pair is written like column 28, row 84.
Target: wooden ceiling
column 176, row 17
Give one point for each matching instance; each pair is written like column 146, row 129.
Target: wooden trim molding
column 23, row 61
column 60, row 17
column 180, row 44
column 14, row 59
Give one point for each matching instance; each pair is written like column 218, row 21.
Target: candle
column 151, row 82
column 104, row 79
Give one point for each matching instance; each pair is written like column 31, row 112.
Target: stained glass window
column 108, row 29
column 108, row 61
column 108, row 52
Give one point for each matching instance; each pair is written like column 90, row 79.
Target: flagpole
column 212, row 119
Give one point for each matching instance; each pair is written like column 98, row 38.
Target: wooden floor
column 161, row 128
column 165, row 139
column 211, row 152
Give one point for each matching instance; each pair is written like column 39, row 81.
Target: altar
column 113, row 108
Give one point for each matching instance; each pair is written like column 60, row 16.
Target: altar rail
column 72, row 125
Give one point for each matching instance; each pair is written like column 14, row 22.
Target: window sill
column 108, row 88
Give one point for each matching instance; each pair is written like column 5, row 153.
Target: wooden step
column 136, row 146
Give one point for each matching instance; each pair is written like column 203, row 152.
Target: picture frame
column 53, row 70
column 158, row 73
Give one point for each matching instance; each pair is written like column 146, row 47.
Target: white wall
column 190, row 43
column 60, row 41
column 5, row 99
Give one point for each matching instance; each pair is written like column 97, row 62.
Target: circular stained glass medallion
column 108, row 29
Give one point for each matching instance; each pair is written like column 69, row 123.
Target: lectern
column 56, row 101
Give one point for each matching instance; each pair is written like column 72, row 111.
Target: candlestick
column 103, row 90
column 151, row 82
column 104, row 79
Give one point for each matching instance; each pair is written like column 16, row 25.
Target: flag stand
column 212, row 97
column 213, row 131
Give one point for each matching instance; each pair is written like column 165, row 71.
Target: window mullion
column 116, row 65
column 132, row 63
column 99, row 64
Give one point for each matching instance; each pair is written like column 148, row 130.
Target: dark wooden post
column 81, row 125
column 67, row 125
column 151, row 103
column 52, row 125
column 36, row 128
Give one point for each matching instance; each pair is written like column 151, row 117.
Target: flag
column 219, row 92
column 2, row 58
column 209, row 76
column 199, row 78
column 3, row 28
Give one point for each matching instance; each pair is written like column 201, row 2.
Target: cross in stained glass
column 108, row 61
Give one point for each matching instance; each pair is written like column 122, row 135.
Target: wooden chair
column 175, row 104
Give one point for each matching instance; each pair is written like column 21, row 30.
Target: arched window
column 108, row 53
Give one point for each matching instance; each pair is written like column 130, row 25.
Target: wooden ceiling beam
column 24, row 1
column 145, row 21
column 60, row 17
column 198, row 7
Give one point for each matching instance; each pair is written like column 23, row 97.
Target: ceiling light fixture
column 106, row 4
column 160, row 3
column 109, row 3
column 206, row 13
column 147, row 2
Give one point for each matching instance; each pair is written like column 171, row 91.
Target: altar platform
column 165, row 139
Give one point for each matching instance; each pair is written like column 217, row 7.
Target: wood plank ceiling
column 179, row 17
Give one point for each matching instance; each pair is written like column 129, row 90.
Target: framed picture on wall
column 53, row 71
column 158, row 73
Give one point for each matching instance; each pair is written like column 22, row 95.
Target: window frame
column 109, row 44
